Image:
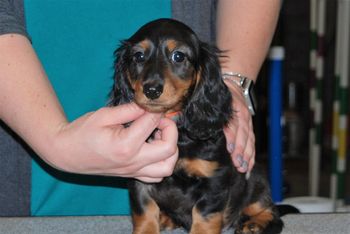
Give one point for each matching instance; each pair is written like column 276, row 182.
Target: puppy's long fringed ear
column 209, row 107
column 122, row 92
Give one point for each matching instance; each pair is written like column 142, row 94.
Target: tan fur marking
column 175, row 89
column 148, row 222
column 258, row 215
column 198, row 78
column 198, row 167
column 171, row 44
column 201, row 225
column 145, row 44
column 132, row 83
column 166, row 223
column 137, row 86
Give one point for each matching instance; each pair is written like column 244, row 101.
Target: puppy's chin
column 154, row 108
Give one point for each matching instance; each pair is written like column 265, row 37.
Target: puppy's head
column 164, row 67
column 157, row 67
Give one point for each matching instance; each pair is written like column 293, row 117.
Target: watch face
column 249, row 96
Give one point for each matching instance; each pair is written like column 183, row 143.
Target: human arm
column 96, row 143
column 244, row 33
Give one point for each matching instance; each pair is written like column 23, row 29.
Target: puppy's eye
column 139, row 57
column 178, row 57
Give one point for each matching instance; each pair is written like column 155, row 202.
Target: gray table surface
column 294, row 224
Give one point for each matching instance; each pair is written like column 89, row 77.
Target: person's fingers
column 166, row 142
column 249, row 151
column 230, row 134
column 159, row 169
column 162, row 147
column 248, row 148
column 251, row 161
column 168, row 131
column 149, row 179
column 241, row 141
column 241, row 126
column 141, row 128
column 144, row 154
column 158, row 135
column 118, row 114
column 153, row 172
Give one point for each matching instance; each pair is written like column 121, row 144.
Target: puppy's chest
column 202, row 168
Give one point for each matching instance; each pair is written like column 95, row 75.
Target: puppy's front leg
column 145, row 211
column 147, row 222
column 211, row 223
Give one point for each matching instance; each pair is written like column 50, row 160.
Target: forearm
column 95, row 143
column 244, row 31
column 27, row 101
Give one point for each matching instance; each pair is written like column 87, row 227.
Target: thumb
column 119, row 114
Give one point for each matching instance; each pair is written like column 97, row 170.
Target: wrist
column 54, row 151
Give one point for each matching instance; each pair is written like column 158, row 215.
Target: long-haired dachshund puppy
column 165, row 68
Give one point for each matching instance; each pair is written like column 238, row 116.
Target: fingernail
column 244, row 165
column 230, row 147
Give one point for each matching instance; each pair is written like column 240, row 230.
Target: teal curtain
column 75, row 40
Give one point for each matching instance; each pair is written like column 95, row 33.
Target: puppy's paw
column 249, row 227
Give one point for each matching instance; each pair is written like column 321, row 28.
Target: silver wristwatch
column 247, row 88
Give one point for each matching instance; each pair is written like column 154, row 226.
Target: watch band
column 246, row 86
column 238, row 78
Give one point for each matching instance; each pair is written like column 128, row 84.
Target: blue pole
column 275, row 112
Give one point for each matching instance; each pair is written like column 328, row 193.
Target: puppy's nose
column 153, row 91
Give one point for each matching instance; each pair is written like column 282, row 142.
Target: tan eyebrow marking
column 171, row 44
column 145, row 44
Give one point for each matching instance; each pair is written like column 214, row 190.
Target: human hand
column 98, row 143
column 239, row 132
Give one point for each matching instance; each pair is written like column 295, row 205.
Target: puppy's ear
column 122, row 92
column 209, row 107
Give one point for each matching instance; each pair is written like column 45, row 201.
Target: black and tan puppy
column 164, row 67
